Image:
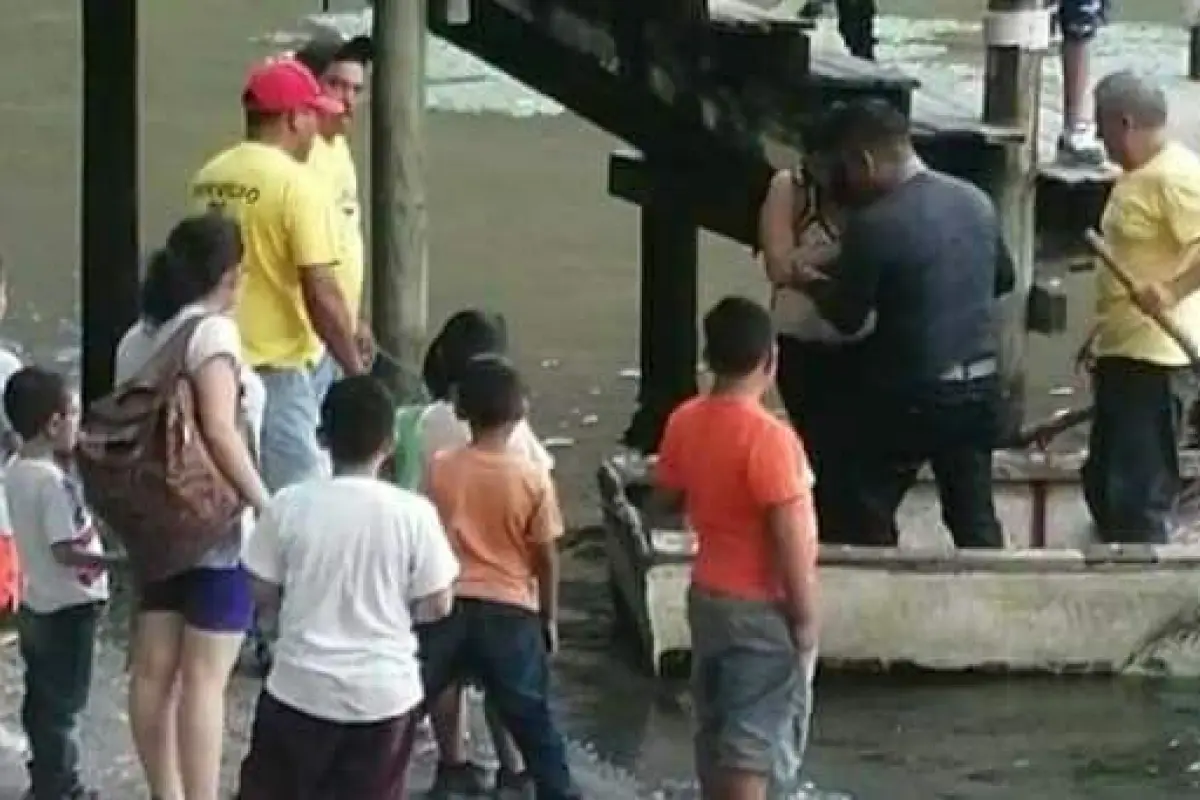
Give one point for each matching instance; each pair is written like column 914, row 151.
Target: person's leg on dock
column 507, row 651
column 1131, row 476
column 456, row 773
column 1079, row 21
column 154, row 698
column 512, row 775
column 752, row 691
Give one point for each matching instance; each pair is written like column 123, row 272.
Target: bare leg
column 1075, row 82
column 153, row 699
column 728, row 784
column 207, row 662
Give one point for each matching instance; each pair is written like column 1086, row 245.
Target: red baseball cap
column 281, row 85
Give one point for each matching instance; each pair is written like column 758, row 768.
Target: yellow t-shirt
column 1151, row 221
column 286, row 226
column 334, row 166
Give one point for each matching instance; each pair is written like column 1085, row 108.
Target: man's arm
column 848, row 295
column 314, row 247
column 433, row 568
column 1181, row 212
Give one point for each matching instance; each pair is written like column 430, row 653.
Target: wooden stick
column 1098, row 246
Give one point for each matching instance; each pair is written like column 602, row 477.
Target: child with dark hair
column 744, row 483
column 421, row 433
column 362, row 561
column 502, row 516
column 65, row 578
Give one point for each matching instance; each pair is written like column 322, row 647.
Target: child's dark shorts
column 217, row 600
column 752, row 689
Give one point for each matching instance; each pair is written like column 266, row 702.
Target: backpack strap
column 809, row 209
column 168, row 361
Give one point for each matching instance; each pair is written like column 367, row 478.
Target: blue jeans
column 503, row 648
column 290, row 453
column 57, row 649
column 752, row 690
column 325, row 374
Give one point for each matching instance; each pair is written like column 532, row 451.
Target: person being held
column 188, row 629
column 743, row 481
column 799, row 229
column 501, row 513
column 1140, row 377
column 923, row 251
column 65, row 579
column 350, row 561
column 436, row 428
column 10, row 572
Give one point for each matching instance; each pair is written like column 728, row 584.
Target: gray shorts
column 752, row 690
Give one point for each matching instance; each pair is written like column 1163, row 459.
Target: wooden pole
column 1011, row 99
column 109, row 185
column 399, row 216
column 1194, row 53
column 667, row 341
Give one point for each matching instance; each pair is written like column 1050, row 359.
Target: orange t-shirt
column 497, row 508
column 733, row 461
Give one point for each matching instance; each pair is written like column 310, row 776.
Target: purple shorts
column 218, row 600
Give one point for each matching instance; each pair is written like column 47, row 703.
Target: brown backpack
column 146, row 469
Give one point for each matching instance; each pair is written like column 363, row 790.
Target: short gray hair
column 1127, row 93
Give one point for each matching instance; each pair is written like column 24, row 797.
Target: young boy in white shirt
column 65, row 582
column 351, row 562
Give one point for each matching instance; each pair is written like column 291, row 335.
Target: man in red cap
column 291, row 308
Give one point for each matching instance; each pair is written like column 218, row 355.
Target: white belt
column 971, row 370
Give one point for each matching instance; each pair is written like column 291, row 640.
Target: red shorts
column 10, row 576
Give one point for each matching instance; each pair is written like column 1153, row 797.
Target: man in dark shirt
column 924, row 250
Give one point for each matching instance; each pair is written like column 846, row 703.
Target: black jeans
column 503, row 648
column 950, row 425
column 1131, row 476
column 57, row 649
column 816, row 385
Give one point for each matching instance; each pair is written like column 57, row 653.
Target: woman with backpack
column 189, row 627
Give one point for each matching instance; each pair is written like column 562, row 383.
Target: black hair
column 490, row 393
column 199, row 252
column 466, row 334
column 357, row 419
column 323, row 51
column 32, row 397
column 738, row 335
column 868, row 124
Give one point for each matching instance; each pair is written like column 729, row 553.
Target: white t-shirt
column 441, row 429
column 9, row 365
column 216, row 336
column 46, row 505
column 352, row 554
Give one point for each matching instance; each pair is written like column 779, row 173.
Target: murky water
column 874, row 739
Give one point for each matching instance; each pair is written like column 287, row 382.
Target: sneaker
column 460, row 780
column 1078, row 146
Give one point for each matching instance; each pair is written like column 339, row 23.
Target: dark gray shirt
column 929, row 258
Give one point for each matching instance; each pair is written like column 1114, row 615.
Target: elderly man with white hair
column 1141, row 380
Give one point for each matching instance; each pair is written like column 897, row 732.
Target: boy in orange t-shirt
column 745, row 484
column 501, row 513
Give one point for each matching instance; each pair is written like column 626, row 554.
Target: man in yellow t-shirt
column 341, row 68
column 1143, row 386
column 290, row 308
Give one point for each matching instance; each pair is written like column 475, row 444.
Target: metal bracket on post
column 1025, row 29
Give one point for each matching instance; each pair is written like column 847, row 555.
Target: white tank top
column 794, row 312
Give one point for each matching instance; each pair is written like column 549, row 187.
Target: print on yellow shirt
column 286, row 226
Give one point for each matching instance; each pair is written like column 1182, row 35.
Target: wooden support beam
column 667, row 342
column 1194, row 53
column 399, row 217
column 109, row 181
column 1012, row 85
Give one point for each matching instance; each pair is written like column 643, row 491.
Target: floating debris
column 630, row 373
column 558, row 442
column 589, row 420
column 551, row 363
column 1062, row 391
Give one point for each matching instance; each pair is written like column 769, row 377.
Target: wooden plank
column 937, row 115
column 826, row 66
